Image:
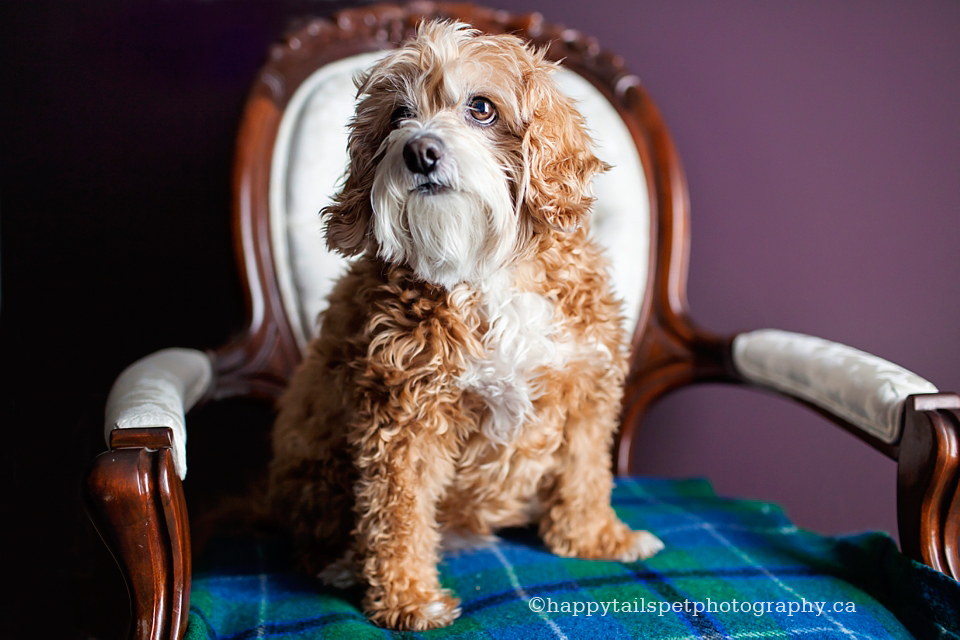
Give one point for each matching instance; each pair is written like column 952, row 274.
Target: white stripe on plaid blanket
column 262, row 611
column 523, row 594
column 774, row 633
column 731, row 527
column 723, row 540
column 813, row 631
column 709, row 528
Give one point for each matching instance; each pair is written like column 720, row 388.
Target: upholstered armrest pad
column 157, row 391
column 864, row 390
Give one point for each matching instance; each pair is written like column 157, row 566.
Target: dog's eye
column 399, row 114
column 482, row 110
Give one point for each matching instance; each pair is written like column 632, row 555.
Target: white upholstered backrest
column 310, row 157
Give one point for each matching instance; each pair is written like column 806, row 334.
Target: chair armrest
column 861, row 389
column 157, row 391
column 134, row 494
column 896, row 411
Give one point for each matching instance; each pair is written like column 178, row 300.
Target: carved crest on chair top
column 311, row 43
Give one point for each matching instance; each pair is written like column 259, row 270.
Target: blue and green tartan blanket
column 731, row 569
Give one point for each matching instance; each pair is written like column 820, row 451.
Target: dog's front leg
column 579, row 520
column 404, row 468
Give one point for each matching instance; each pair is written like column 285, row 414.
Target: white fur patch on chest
column 522, row 339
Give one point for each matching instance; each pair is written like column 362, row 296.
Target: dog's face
column 461, row 150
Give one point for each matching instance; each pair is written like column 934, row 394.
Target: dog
column 468, row 372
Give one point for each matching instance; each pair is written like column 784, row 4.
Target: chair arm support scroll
column 866, row 391
column 157, row 391
column 135, row 499
column 928, row 482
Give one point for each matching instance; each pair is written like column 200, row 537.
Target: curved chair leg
column 135, row 500
column 928, row 482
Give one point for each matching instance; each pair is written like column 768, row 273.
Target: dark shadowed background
column 821, row 142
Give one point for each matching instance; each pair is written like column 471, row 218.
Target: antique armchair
column 290, row 152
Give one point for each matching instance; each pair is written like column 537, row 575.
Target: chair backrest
column 291, row 155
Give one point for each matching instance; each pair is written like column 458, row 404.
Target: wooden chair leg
column 135, row 500
column 928, row 482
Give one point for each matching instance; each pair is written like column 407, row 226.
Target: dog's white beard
column 465, row 232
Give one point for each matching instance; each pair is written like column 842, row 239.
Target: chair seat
column 720, row 555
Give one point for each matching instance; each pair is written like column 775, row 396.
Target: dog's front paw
column 413, row 610
column 643, row 545
column 599, row 537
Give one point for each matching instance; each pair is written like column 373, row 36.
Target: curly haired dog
column 468, row 372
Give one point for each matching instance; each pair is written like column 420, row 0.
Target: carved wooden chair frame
column 133, row 493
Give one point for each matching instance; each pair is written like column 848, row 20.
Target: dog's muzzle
column 422, row 153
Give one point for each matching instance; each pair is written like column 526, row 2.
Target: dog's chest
column 524, row 339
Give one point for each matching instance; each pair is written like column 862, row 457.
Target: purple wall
column 821, row 142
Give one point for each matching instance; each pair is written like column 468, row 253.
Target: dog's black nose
column 422, row 153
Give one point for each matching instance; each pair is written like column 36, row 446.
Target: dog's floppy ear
column 347, row 219
column 557, row 152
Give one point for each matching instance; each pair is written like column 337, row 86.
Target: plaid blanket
column 731, row 569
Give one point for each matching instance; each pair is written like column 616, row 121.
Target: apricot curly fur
column 384, row 440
